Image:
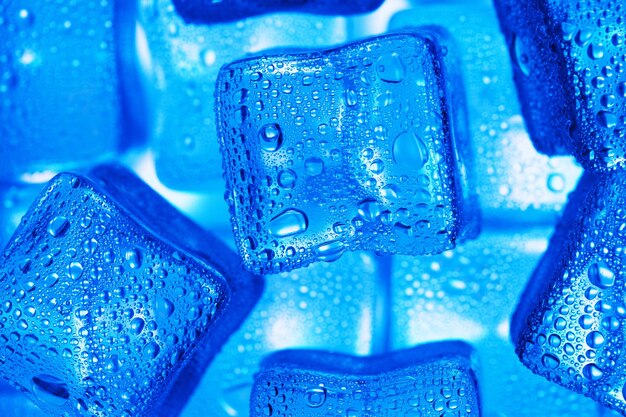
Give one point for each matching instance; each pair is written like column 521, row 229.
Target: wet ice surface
column 360, row 147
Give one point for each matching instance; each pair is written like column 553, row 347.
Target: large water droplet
column 391, row 68
column 271, row 137
column 314, row 166
column 151, row 350
column 133, row 257
column 289, row 223
column 606, row 119
column 601, row 276
column 369, row 210
column 315, row 397
column 409, row 151
column 58, row 226
column 50, row 390
column 330, row 251
column 287, row 179
column 550, row 361
column 595, row 339
column 592, row 372
column 164, row 308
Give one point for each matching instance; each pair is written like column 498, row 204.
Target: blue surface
column 429, row 380
column 210, row 11
column 104, row 306
column 570, row 324
column 59, row 88
column 334, row 306
column 571, row 75
column 359, row 147
column 515, row 183
column 179, row 64
column 470, row 294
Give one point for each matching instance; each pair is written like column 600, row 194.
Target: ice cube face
column 210, row 11
column 429, row 380
column 359, row 147
column 569, row 326
column 512, row 176
column 325, row 306
column 570, row 75
column 102, row 312
column 53, row 125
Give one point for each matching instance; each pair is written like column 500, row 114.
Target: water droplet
column 595, row 339
column 601, row 276
column 606, row 119
column 133, row 257
column 51, row 280
column 151, row 350
column 271, row 137
column 314, row 166
column 595, row 51
column 369, row 210
column 90, row 246
column 351, row 97
column 409, row 151
column 592, row 372
column 287, row 179
column 377, row 166
column 550, row 361
column 50, row 390
column 164, row 308
column 315, row 397
column 136, row 325
column 585, row 321
column 391, row 68
column 289, row 223
column 330, row 251
column 58, row 226
column 521, row 56
column 75, row 270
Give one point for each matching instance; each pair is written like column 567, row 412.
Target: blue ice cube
column 179, row 63
column 113, row 303
column 470, row 294
column 359, row 147
column 511, row 176
column 571, row 76
column 330, row 306
column 211, row 11
column 569, row 326
column 430, row 380
column 60, row 105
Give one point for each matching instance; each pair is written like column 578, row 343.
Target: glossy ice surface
column 211, row 11
column 103, row 306
column 429, row 380
column 511, row 176
column 569, row 326
column 325, row 306
column 49, row 52
column 359, row 147
column 179, row 64
column 570, row 70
